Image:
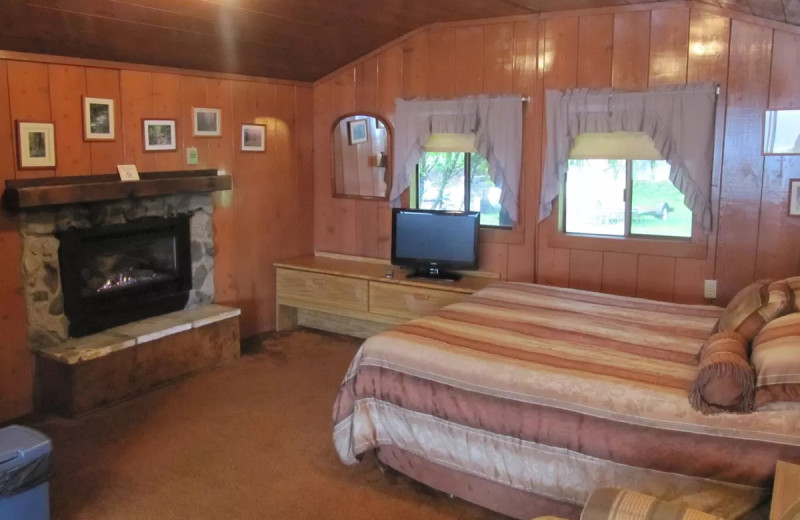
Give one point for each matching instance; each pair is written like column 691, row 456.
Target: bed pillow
column 794, row 288
column 625, row 504
column 776, row 358
column 754, row 306
column 725, row 380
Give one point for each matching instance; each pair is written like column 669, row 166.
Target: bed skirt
column 515, row 503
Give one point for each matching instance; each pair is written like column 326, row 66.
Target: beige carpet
column 249, row 440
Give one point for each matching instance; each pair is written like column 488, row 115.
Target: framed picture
column 794, row 197
column 253, row 138
column 36, row 145
column 98, row 119
column 159, row 135
column 207, row 122
column 357, row 131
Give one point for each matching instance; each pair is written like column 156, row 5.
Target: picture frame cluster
column 36, row 139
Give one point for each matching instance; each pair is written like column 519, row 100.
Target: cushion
column 754, row 306
column 624, row 504
column 794, row 288
column 725, row 380
column 776, row 358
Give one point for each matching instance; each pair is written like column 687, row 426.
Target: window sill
column 643, row 246
column 514, row 235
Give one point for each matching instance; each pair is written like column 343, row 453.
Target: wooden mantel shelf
column 32, row 193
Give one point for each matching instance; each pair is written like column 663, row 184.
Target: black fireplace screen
column 112, row 275
column 118, row 263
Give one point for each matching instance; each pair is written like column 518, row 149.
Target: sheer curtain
column 679, row 120
column 496, row 123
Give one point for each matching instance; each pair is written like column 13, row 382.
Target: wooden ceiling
column 289, row 39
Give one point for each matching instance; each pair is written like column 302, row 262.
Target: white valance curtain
column 495, row 121
column 679, row 120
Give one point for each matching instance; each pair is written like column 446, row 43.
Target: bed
column 524, row 398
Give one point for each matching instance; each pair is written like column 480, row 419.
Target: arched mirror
column 361, row 162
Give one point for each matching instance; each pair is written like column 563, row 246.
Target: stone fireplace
column 180, row 273
column 118, row 280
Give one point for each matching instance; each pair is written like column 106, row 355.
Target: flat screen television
column 435, row 242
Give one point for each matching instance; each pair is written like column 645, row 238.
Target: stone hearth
column 46, row 322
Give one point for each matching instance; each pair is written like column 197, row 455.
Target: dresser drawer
column 321, row 290
column 404, row 301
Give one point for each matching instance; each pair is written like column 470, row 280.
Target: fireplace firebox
column 112, row 275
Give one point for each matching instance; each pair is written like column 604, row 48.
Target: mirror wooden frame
column 388, row 155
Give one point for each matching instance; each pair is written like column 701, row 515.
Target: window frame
column 415, row 185
column 628, row 218
column 695, row 246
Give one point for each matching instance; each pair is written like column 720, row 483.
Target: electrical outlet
column 710, row 289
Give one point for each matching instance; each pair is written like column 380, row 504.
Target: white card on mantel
column 128, row 172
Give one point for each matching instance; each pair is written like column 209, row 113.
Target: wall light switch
column 710, row 289
column 191, row 155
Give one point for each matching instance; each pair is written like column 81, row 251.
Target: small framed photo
column 98, row 119
column 159, row 135
column 794, row 197
column 207, row 122
column 36, row 145
column 357, row 131
column 253, row 138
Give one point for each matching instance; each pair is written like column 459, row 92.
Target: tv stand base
column 434, row 273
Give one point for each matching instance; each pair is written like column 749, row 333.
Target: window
column 459, row 181
column 678, row 124
column 596, row 201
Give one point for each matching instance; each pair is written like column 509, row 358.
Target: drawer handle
column 319, row 281
column 421, row 297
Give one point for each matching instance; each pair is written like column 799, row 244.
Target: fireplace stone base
column 46, row 322
column 85, row 374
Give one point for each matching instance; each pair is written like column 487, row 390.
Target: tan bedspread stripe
column 656, row 375
column 629, row 320
column 556, row 331
column 613, row 300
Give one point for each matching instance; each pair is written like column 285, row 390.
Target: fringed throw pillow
column 725, row 380
column 754, row 306
column 776, row 358
column 794, row 288
column 625, row 504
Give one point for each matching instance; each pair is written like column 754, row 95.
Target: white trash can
column 24, row 474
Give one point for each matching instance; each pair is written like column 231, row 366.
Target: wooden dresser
column 353, row 296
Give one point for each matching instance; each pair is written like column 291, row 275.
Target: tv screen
column 434, row 241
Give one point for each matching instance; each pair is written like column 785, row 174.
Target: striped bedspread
column 558, row 391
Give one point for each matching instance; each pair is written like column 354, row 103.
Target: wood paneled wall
column 265, row 218
column 755, row 62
